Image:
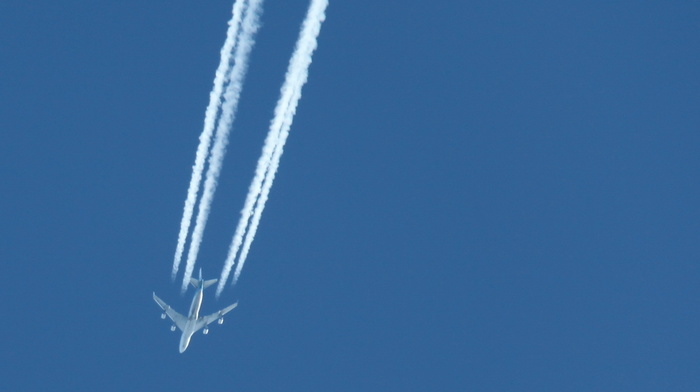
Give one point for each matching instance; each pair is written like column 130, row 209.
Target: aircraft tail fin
column 207, row 283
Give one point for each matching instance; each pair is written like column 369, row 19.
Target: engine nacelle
column 173, row 328
column 206, row 331
column 221, row 321
column 162, row 316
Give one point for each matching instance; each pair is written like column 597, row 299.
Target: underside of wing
column 177, row 318
column 206, row 320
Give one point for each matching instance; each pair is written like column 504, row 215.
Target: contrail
column 249, row 27
column 290, row 93
column 205, row 137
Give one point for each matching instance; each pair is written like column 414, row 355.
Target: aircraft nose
column 183, row 346
column 184, row 342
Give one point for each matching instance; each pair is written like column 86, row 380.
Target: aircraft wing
column 206, row 320
column 177, row 318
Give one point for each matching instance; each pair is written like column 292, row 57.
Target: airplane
column 193, row 323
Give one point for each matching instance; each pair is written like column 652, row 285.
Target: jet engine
column 162, row 316
column 221, row 320
column 173, row 328
column 206, row 330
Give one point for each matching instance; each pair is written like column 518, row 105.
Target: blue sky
column 478, row 196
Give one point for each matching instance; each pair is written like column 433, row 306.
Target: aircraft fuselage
column 191, row 326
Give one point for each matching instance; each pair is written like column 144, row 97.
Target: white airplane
column 193, row 323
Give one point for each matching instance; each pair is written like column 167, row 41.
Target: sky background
column 475, row 195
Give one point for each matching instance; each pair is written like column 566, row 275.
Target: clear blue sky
column 476, row 195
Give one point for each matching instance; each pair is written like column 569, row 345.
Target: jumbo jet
column 193, row 323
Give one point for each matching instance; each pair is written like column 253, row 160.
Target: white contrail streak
column 246, row 40
column 205, row 137
column 290, row 93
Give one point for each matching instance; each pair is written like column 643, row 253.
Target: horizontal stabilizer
column 207, row 283
column 210, row 282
